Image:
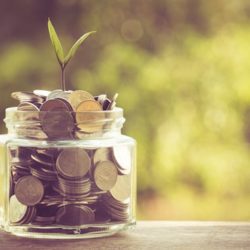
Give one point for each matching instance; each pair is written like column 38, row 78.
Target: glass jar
column 63, row 181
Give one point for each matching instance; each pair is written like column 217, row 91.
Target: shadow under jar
column 68, row 174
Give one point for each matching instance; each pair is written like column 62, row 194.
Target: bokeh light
column 181, row 69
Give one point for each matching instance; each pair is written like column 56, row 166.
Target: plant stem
column 63, row 78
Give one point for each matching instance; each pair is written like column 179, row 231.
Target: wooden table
column 150, row 235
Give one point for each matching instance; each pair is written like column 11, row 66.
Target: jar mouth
column 63, row 125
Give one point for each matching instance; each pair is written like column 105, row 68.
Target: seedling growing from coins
column 62, row 59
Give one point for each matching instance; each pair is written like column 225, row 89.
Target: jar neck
column 61, row 125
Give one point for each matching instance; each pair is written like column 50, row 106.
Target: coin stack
column 70, row 186
column 61, row 114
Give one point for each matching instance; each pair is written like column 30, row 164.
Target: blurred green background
column 182, row 71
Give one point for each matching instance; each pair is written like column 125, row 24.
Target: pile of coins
column 70, row 186
column 61, row 114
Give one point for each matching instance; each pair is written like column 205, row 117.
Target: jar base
column 83, row 232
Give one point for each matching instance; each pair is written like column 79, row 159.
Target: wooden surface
column 150, row 235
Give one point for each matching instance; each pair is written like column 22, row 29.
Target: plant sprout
column 64, row 60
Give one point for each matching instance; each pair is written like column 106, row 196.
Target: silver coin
column 19, row 153
column 73, row 163
column 44, row 220
column 49, row 152
column 101, row 98
column 113, row 102
column 42, row 93
column 31, row 132
column 30, row 215
column 53, row 94
column 20, row 166
column 83, row 135
column 31, row 113
column 29, row 190
column 115, row 214
column 115, row 209
column 105, row 175
column 25, row 96
column 122, row 155
column 122, row 189
column 21, row 161
column 43, row 159
column 43, row 174
column 104, row 101
column 58, row 93
column 120, row 205
column 68, row 196
column 74, row 215
column 17, row 210
column 80, row 187
column 106, row 104
column 28, row 106
column 101, row 154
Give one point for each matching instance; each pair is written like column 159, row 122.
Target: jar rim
column 116, row 110
column 63, row 124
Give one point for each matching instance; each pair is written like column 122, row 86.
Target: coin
column 58, row 93
column 31, row 213
column 123, row 157
column 101, row 154
column 29, row 190
column 122, row 188
column 73, row 187
column 101, row 98
column 21, row 165
column 16, row 175
column 31, row 113
column 31, row 132
column 43, row 159
column 56, row 119
column 25, row 96
column 70, row 196
column 74, row 215
column 43, row 174
column 54, row 105
column 118, row 210
column 76, row 182
column 88, row 120
column 101, row 216
column 44, row 220
column 113, row 102
column 105, row 175
column 66, row 104
column 17, row 210
column 20, row 154
column 104, row 101
column 41, row 93
column 78, row 96
column 73, row 163
column 106, row 104
column 49, row 152
column 120, row 205
column 53, row 94
column 118, row 215
column 28, row 106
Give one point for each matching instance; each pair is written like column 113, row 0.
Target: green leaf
column 56, row 43
column 76, row 45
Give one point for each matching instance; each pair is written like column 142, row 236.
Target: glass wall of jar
column 68, row 174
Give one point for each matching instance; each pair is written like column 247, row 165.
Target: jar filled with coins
column 66, row 169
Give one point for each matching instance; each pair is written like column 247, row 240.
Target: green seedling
column 62, row 59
